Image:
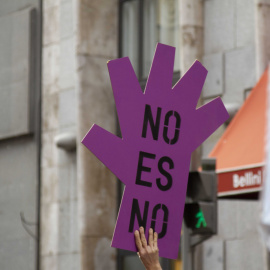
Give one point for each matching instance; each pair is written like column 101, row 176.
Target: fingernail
column 151, row 230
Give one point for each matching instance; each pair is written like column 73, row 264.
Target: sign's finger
column 155, row 240
column 138, row 240
column 143, row 239
column 150, row 238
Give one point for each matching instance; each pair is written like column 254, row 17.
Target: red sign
column 239, row 181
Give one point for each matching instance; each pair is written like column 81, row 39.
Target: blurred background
column 58, row 203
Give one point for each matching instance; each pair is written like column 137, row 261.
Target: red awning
column 240, row 151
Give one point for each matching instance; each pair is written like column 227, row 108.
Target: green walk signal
column 201, row 220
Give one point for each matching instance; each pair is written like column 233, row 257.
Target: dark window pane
column 161, row 24
column 130, row 25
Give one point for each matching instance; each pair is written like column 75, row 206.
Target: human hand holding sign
column 148, row 252
column 160, row 129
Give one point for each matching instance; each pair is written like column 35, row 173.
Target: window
column 143, row 23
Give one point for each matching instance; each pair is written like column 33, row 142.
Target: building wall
column 59, row 199
column 78, row 193
column 229, row 54
column 96, row 44
column 237, row 244
column 19, row 134
column 231, row 57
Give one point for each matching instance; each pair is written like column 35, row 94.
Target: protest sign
column 160, row 129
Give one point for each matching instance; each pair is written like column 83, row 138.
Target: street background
column 58, row 203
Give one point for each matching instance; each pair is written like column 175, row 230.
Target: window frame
column 142, row 80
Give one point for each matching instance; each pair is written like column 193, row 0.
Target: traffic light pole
column 197, row 239
column 186, row 251
column 187, row 246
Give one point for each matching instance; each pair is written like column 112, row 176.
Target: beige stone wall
column 262, row 22
column 191, row 46
column 191, row 32
column 96, row 44
column 78, row 205
column 59, row 207
column 229, row 55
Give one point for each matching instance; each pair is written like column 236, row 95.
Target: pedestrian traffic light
column 200, row 213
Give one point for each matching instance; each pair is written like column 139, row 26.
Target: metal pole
column 185, row 250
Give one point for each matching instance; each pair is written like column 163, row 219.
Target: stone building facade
column 19, row 133
column 58, row 202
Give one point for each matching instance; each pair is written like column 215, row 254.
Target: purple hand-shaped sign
column 160, row 128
